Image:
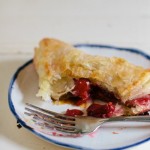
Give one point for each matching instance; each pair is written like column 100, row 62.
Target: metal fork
column 77, row 124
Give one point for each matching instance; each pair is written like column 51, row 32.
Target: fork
column 74, row 125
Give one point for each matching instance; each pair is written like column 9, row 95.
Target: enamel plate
column 117, row 135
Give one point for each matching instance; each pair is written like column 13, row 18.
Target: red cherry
column 73, row 112
column 102, row 111
column 81, row 90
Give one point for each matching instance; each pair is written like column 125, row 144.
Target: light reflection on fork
column 73, row 125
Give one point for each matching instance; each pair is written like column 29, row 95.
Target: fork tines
column 51, row 119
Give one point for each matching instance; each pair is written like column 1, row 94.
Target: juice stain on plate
column 115, row 133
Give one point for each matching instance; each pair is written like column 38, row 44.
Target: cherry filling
column 82, row 90
column 143, row 102
column 85, row 91
column 101, row 111
column 94, row 110
column 74, row 112
column 98, row 92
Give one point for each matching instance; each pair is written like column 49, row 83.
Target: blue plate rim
column 12, row 108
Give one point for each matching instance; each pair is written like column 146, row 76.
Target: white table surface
column 24, row 23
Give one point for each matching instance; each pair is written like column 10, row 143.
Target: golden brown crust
column 56, row 61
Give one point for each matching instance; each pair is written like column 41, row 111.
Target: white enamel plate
column 118, row 135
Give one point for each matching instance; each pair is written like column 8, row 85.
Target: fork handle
column 130, row 118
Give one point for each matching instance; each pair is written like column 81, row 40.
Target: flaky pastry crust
column 58, row 63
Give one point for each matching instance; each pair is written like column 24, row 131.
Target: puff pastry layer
column 58, row 63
